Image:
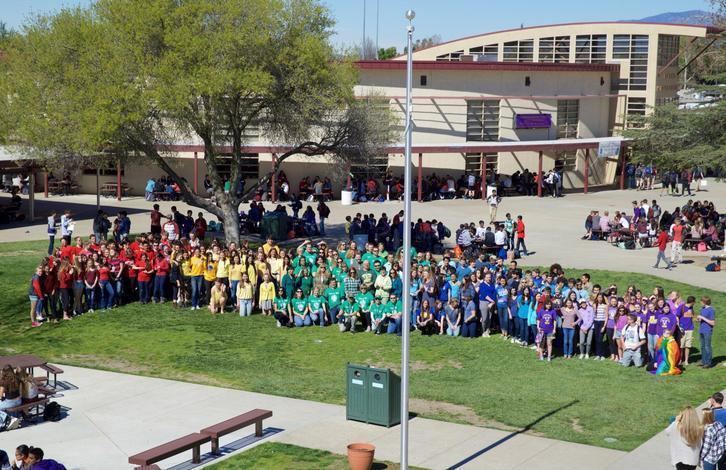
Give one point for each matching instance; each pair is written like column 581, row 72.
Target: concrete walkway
column 112, row 416
column 554, row 226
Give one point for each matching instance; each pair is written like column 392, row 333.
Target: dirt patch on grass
column 415, row 366
column 19, row 253
column 576, row 426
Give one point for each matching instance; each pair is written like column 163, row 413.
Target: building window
column 566, row 161
column 519, row 51
column 636, row 107
column 451, row 56
column 590, row 49
column 634, row 48
column 248, row 169
column 107, row 169
column 668, row 47
column 474, row 161
column 554, row 49
column 568, row 118
column 482, row 120
column 488, row 53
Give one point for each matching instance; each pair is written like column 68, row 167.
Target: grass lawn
column 277, row 455
column 486, row 382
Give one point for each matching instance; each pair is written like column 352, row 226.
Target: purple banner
column 532, row 121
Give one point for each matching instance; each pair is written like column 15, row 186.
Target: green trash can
column 373, row 395
column 274, row 224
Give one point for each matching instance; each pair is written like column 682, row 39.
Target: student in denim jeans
column 585, row 319
column 707, row 320
column 91, row 282
column 569, row 314
column 503, row 307
column 245, row 294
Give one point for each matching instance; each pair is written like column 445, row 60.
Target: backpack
column 52, row 412
column 447, row 232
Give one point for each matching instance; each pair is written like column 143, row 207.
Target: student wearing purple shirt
column 685, row 325
column 707, row 320
column 667, row 322
column 546, row 326
column 652, row 330
column 585, row 318
column 610, row 327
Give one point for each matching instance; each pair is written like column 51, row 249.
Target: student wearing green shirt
column 394, row 312
column 316, row 307
column 299, row 309
column 333, row 296
column 367, row 276
column 281, row 310
column 288, row 283
column 364, row 299
column 349, row 315
column 305, row 282
column 379, row 321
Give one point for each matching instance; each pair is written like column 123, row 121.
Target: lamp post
column 407, row 173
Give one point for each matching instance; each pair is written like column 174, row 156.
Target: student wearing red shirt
column 35, row 293
column 66, row 251
column 78, row 286
column 104, row 282
column 50, row 291
column 90, row 279
column 161, row 267
column 144, row 272
column 65, row 287
column 661, row 243
column 130, row 273
column 520, row 236
column 678, row 231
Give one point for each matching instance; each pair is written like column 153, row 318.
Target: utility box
column 373, row 395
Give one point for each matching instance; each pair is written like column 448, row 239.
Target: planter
column 360, row 456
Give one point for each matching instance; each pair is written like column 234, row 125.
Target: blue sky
column 450, row 19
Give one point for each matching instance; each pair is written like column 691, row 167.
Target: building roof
column 498, row 66
column 705, row 30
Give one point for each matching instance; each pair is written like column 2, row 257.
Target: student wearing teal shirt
column 316, row 306
column 364, row 299
column 379, row 320
column 299, row 309
column 288, row 283
column 333, row 296
column 282, row 309
column 349, row 315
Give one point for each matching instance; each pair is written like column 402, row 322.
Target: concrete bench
column 169, row 449
column 233, row 424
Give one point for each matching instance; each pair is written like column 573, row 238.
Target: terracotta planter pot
column 360, row 456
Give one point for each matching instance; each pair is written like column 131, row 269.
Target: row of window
column 482, row 120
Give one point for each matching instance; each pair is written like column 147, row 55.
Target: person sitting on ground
column 349, row 314
column 9, row 397
column 218, row 297
column 37, row 461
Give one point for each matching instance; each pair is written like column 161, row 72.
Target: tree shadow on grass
column 512, row 435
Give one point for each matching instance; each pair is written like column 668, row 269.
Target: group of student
column 359, row 287
column 695, row 441
column 28, row 458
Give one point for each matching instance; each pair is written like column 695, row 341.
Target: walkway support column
column 273, row 180
column 31, row 196
column 98, row 188
column 196, row 173
column 118, row 180
column 483, row 184
column 420, row 175
column 622, row 166
column 539, row 175
column 45, row 184
column 587, row 168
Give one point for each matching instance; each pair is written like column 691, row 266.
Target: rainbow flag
column 667, row 356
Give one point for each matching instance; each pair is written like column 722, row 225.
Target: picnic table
column 23, row 361
column 110, row 189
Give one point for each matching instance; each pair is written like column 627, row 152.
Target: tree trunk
column 230, row 218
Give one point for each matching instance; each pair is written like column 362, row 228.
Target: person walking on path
column 323, row 213
column 155, row 220
column 661, row 243
column 493, row 200
column 678, row 230
column 520, row 236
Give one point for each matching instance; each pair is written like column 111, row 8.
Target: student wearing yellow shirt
column 186, row 280
column 196, row 267
column 245, row 295
column 210, row 275
column 223, row 269
column 235, row 275
column 267, row 294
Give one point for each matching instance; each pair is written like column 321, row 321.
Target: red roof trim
column 513, row 66
column 709, row 29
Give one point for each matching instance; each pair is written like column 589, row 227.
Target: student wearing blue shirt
column 468, row 327
column 707, row 321
column 487, row 302
column 524, row 305
column 396, row 284
column 502, row 307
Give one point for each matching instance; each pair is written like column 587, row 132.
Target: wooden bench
column 29, row 405
column 177, row 446
column 233, row 424
column 54, row 370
